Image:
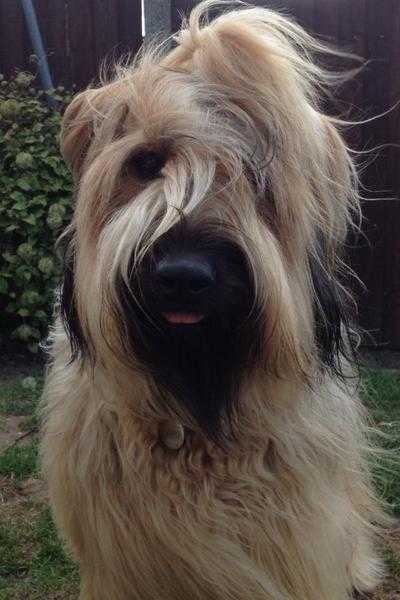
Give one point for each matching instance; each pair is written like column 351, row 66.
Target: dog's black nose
column 185, row 275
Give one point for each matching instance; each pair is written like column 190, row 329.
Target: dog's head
column 212, row 198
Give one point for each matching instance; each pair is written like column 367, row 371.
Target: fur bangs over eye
column 146, row 164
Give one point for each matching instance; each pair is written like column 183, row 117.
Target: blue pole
column 37, row 43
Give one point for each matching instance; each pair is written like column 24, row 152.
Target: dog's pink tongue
column 182, row 318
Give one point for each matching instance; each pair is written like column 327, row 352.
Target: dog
column 202, row 433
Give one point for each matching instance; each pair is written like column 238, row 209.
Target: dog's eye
column 146, row 164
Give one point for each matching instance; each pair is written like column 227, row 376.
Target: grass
column 20, row 397
column 382, row 397
column 33, row 563
column 19, row 462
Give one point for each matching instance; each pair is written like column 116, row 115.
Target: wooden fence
column 79, row 34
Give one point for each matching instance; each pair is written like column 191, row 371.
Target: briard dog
column 203, row 438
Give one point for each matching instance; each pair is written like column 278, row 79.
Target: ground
column 33, row 564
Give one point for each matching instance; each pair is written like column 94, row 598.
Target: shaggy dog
column 203, row 439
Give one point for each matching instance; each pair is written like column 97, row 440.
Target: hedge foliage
column 35, row 205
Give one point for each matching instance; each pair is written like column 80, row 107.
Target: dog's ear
column 332, row 315
column 77, row 130
column 92, row 120
column 68, row 308
column 338, row 212
column 80, row 123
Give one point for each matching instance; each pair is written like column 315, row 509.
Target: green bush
column 35, row 205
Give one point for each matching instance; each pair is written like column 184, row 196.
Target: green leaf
column 17, row 196
column 3, row 286
column 24, row 79
column 23, row 332
column 24, row 160
column 46, row 265
column 20, row 206
column 30, row 219
column 24, row 184
column 9, row 108
column 39, row 200
column 10, row 258
column 41, row 315
column 30, row 297
column 26, row 251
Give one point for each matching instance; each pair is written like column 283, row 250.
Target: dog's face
column 212, row 196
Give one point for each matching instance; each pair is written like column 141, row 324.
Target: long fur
column 270, row 496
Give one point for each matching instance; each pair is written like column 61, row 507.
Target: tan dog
column 202, row 440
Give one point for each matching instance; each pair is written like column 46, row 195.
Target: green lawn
column 381, row 395
column 33, row 565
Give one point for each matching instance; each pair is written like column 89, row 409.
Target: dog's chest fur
column 180, row 504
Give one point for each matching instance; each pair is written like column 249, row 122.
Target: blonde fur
column 285, row 510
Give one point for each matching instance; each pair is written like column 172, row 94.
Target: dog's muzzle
column 191, row 321
column 190, row 281
column 185, row 283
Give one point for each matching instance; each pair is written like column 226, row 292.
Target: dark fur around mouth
column 201, row 365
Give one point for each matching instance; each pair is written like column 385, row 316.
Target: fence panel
column 77, row 36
